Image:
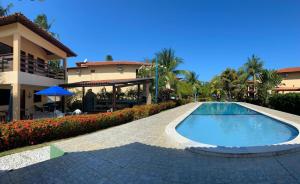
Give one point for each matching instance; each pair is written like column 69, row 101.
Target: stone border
column 268, row 150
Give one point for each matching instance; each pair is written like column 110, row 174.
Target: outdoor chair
column 77, row 112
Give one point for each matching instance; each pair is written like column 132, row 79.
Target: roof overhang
column 287, row 89
column 288, row 70
column 20, row 18
column 113, row 82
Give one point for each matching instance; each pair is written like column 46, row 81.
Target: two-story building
column 117, row 77
column 104, row 70
column 25, row 53
column 290, row 80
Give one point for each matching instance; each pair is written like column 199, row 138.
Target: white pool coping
column 268, row 150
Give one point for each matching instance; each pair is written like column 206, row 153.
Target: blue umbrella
column 54, row 91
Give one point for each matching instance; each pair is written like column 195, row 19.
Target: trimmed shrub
column 29, row 132
column 289, row 102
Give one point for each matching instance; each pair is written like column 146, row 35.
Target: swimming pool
column 232, row 125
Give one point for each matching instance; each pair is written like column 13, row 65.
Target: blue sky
column 209, row 35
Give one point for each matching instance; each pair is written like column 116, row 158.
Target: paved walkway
column 141, row 152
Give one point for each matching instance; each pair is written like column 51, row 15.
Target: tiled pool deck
column 141, row 152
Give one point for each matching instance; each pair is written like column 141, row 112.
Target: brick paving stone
column 141, row 152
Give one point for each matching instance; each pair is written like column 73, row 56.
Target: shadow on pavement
column 141, row 163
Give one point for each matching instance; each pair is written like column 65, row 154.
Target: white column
column 148, row 94
column 16, row 87
column 65, row 68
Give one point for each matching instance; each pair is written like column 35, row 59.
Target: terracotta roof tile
column 20, row 18
column 287, row 89
column 289, row 70
column 107, row 82
column 104, row 63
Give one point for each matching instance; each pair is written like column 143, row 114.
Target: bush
column 289, row 102
column 183, row 101
column 29, row 132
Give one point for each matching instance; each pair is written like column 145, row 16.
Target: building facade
column 104, row 70
column 26, row 53
column 290, row 80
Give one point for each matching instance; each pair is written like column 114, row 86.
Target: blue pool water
column 232, row 125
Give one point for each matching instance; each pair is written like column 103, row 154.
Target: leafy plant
column 289, row 102
column 268, row 80
column 253, row 68
column 109, row 58
column 4, row 11
column 29, row 132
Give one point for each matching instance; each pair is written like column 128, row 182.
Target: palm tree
column 192, row 78
column 242, row 85
column 108, row 58
column 216, row 87
column 167, row 58
column 268, row 79
column 4, row 11
column 229, row 80
column 42, row 21
column 168, row 64
column 253, row 67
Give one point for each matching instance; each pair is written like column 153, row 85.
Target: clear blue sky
column 209, row 35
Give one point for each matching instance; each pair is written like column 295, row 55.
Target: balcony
column 32, row 66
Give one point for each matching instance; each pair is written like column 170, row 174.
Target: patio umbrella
column 54, row 91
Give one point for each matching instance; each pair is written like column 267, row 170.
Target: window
column 92, row 71
column 23, row 61
column 30, row 63
column 40, row 64
column 4, row 96
column 37, row 98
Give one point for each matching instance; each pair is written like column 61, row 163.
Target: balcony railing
column 6, row 62
column 33, row 66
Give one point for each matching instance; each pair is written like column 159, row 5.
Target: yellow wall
column 291, row 80
column 29, row 101
column 21, row 38
column 102, row 73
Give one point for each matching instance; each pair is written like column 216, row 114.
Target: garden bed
column 30, row 132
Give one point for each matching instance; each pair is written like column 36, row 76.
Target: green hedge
column 29, row 132
column 289, row 102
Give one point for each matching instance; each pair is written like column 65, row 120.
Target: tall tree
column 4, row 11
column 229, row 80
column 268, row 80
column 242, row 85
column 216, row 87
column 42, row 21
column 191, row 77
column 253, row 67
column 108, row 58
column 169, row 63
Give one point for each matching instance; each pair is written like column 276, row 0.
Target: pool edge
column 207, row 149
